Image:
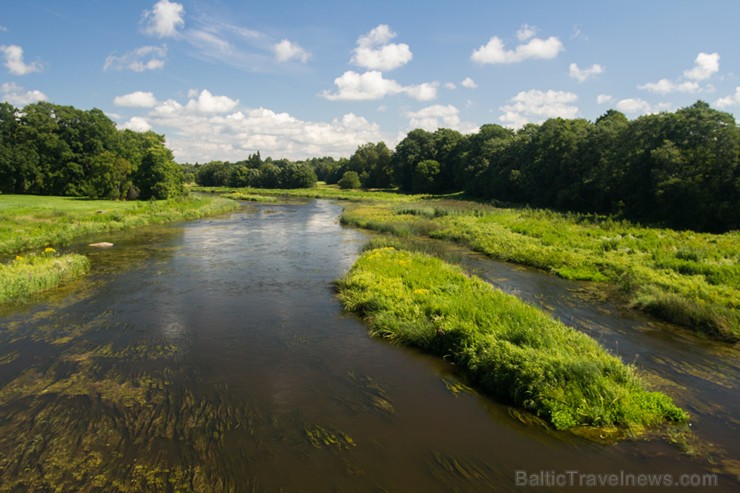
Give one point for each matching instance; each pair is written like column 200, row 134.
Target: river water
column 214, row 356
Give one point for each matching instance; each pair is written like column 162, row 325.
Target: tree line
column 48, row 149
column 677, row 169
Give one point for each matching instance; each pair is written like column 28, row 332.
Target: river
column 214, row 356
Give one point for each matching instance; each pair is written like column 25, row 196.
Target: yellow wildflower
column 49, row 250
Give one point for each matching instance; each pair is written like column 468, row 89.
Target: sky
column 225, row 79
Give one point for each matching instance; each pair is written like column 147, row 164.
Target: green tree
column 350, row 180
column 159, row 177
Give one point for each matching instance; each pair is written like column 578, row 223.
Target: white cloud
column 705, row 65
column 371, row 85
column 495, row 52
column 422, row 92
column 286, row 51
column 375, row 53
column 14, row 61
column 164, row 19
column 450, row 85
column 583, row 74
column 665, row 86
column 137, row 124
column 640, row 106
column 438, row 116
column 732, row 100
column 536, row 106
column 469, row 83
column 362, row 87
column 604, row 98
column 18, row 96
column 526, row 32
column 137, row 99
column 139, row 60
column 208, row 103
column 197, row 136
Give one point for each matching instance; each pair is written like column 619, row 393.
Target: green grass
column 692, row 279
column 27, row 275
column 507, row 347
column 321, row 191
column 30, row 222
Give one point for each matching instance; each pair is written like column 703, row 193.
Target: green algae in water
column 321, row 437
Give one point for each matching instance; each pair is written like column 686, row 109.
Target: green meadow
column 32, row 227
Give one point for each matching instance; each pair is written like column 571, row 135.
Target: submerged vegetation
column 509, row 348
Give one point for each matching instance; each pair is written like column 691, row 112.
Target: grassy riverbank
column 509, row 348
column 692, row 279
column 29, row 223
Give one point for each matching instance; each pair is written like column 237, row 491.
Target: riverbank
column 690, row 279
column 30, row 224
column 687, row 278
column 508, row 348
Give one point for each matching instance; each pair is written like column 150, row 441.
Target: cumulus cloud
column 422, row 92
column 583, row 74
column 208, row 103
column 604, row 98
column 535, row 106
column 526, row 32
column 139, row 60
column 450, row 85
column 164, row 19
column 137, row 99
column 374, row 52
column 665, row 86
column 14, row 61
column 286, row 51
column 18, row 96
column 371, row 85
column 732, row 100
column 197, row 137
column 469, row 83
column 438, row 116
column 705, row 65
column 640, row 106
column 137, row 124
column 495, row 52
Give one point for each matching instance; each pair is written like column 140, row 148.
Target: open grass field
column 510, row 349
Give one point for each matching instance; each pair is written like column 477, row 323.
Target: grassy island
column 508, row 348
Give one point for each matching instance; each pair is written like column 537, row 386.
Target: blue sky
column 223, row 79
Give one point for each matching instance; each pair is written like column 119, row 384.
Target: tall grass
column 509, row 348
column 27, row 275
column 692, row 279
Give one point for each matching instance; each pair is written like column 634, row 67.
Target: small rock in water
column 102, row 244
